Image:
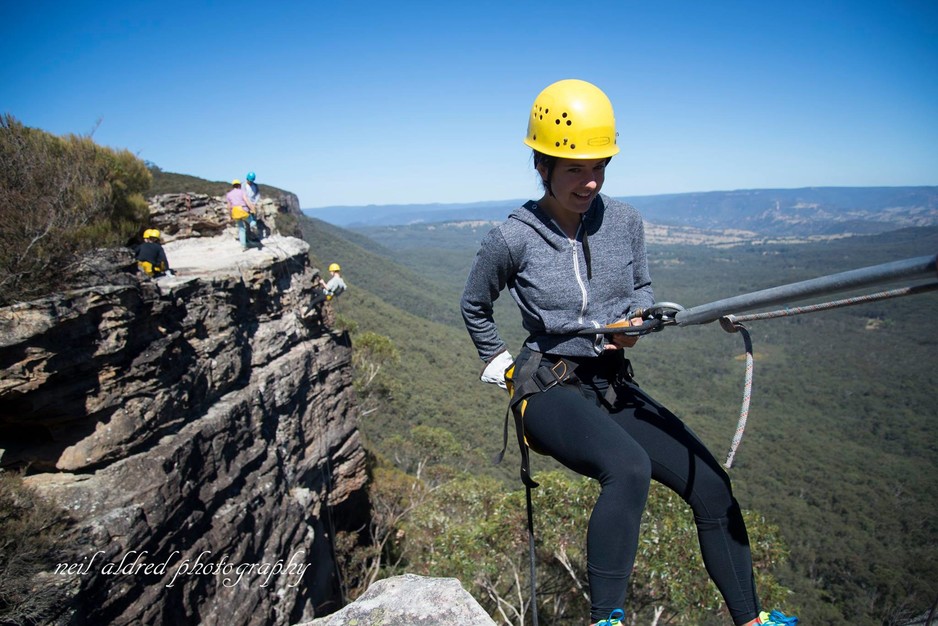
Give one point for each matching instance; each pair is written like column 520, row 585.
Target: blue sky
column 353, row 103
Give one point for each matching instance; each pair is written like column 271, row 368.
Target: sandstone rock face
column 412, row 601
column 184, row 215
column 200, row 433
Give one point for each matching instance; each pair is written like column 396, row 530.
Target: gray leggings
column 623, row 447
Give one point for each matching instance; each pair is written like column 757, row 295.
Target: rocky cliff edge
column 199, row 432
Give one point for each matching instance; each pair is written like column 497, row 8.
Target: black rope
column 533, row 557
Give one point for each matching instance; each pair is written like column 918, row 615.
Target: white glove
column 494, row 372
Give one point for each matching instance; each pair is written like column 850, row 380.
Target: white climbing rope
column 733, row 324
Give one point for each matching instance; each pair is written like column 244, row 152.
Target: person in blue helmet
column 253, row 194
column 574, row 260
column 250, row 189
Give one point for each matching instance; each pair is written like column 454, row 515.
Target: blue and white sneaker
column 615, row 618
column 777, row 618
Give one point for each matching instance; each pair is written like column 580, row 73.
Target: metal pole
column 919, row 267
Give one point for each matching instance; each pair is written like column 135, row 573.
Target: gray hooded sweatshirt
column 561, row 285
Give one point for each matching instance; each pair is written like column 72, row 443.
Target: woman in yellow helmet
column 573, row 260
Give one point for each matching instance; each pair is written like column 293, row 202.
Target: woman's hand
column 618, row 342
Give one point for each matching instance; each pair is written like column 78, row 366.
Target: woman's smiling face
column 574, row 183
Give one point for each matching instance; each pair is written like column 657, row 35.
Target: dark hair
column 549, row 162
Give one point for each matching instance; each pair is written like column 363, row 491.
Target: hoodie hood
column 534, row 216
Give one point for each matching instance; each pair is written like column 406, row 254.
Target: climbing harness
column 534, row 375
column 539, row 372
column 151, row 269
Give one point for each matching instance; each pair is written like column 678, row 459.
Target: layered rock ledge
column 198, row 431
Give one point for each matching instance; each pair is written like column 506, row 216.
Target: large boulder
column 411, row 600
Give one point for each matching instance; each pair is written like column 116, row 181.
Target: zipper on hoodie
column 584, row 297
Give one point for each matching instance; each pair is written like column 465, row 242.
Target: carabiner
column 664, row 312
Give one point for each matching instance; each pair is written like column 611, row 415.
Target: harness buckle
column 547, row 377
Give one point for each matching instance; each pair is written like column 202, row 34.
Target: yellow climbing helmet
column 151, row 233
column 572, row 119
column 235, row 182
column 335, row 268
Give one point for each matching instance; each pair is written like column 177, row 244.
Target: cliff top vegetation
column 61, row 197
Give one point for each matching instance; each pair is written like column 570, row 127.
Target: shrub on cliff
column 433, row 520
column 473, row 530
column 61, row 197
column 28, row 529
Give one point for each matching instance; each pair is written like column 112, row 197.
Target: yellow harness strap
column 532, row 378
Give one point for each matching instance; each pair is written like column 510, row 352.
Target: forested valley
column 839, row 456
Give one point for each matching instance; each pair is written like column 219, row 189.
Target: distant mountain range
column 828, row 211
column 402, row 214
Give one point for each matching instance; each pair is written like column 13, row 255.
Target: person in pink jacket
column 241, row 209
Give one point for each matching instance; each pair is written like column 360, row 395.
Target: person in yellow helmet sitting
column 151, row 258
